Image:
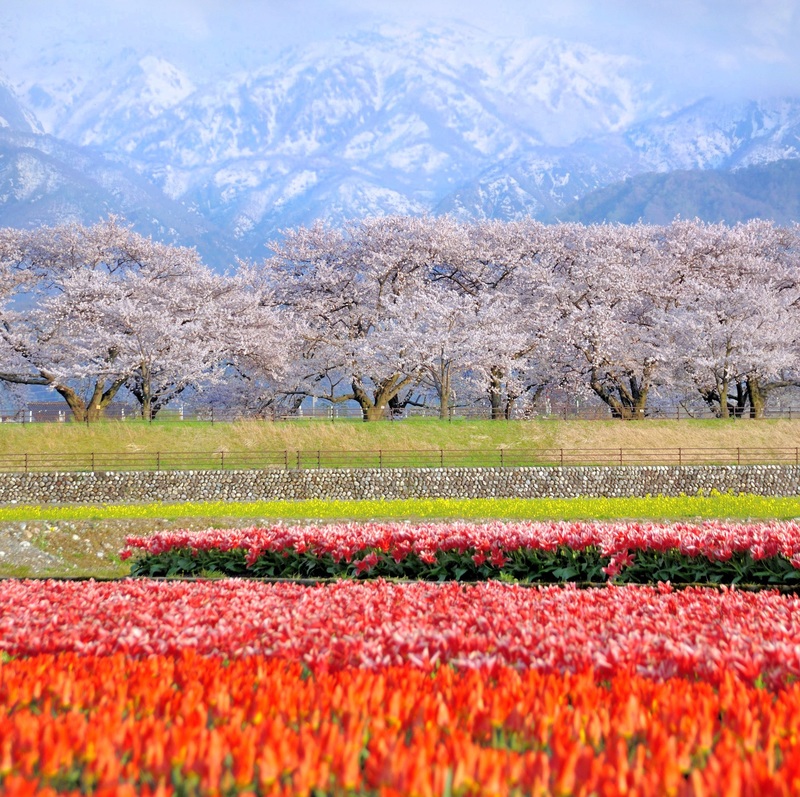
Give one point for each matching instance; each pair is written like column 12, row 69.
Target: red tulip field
column 712, row 552
column 243, row 687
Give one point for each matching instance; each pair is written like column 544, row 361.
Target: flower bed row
column 137, row 687
column 188, row 724
column 658, row 632
column 709, row 552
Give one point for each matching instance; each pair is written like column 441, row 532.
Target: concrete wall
column 553, row 482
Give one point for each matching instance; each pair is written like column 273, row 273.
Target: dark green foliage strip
column 524, row 565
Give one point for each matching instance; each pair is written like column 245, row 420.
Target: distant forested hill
column 768, row 191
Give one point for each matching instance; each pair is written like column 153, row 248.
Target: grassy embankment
column 85, row 539
column 134, row 437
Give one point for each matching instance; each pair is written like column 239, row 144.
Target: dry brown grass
column 680, row 434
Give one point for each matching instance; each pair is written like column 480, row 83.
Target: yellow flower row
column 714, row 505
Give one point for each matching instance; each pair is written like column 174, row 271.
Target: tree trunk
column 374, row 413
column 742, row 398
column 82, row 411
column 75, row 402
column 445, row 391
column 373, row 408
column 757, row 396
column 510, row 401
column 634, row 399
column 86, row 412
column 370, row 411
column 145, row 393
column 496, row 394
column 607, row 395
column 637, row 403
column 724, row 383
column 722, row 391
column 627, row 402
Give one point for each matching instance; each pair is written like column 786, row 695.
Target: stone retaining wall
column 252, row 485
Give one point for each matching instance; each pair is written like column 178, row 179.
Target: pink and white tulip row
column 715, row 540
column 657, row 632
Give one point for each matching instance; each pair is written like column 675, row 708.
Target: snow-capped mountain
column 387, row 121
column 715, row 135
column 707, row 135
column 45, row 181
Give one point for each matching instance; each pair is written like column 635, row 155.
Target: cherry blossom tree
column 737, row 298
column 517, row 313
column 449, row 327
column 106, row 308
column 609, row 287
column 348, row 286
column 40, row 347
column 498, row 268
column 257, row 353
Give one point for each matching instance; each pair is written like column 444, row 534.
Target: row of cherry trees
column 88, row 311
column 393, row 311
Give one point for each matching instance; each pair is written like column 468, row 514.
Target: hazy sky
column 735, row 46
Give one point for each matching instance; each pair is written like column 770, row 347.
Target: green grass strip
column 716, row 505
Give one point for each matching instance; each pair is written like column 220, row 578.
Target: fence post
column 380, row 459
column 222, row 460
column 318, row 466
column 738, row 456
column 92, row 461
column 561, row 452
column 158, row 461
column 502, row 459
column 680, row 457
column 298, row 459
column 26, row 463
column 441, row 458
column 620, row 456
column 285, row 459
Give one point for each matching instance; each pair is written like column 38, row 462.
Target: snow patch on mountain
column 385, row 120
column 716, row 135
column 109, row 113
column 34, row 178
column 13, row 115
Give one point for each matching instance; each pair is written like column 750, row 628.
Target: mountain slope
column 770, row 191
column 707, row 135
column 13, row 115
column 44, row 181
